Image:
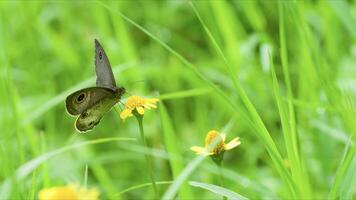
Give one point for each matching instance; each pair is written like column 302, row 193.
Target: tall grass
column 279, row 72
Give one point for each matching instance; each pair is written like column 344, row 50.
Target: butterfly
column 92, row 103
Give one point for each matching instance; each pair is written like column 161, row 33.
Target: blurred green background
column 297, row 134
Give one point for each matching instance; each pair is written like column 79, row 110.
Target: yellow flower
column 139, row 104
column 70, row 192
column 215, row 144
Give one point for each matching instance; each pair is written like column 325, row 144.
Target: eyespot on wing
column 86, row 123
column 82, row 100
column 77, row 102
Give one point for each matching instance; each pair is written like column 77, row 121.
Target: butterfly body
column 92, row 103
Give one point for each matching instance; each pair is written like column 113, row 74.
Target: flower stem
column 221, row 177
column 147, row 157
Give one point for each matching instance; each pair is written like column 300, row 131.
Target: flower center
column 134, row 102
column 214, row 142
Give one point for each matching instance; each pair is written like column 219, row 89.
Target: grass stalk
column 147, row 156
column 288, row 118
column 262, row 131
column 221, row 176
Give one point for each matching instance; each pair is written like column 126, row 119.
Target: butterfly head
column 120, row 91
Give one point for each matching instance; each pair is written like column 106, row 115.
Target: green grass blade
column 218, row 190
column 174, row 187
column 349, row 181
column 342, row 10
column 33, row 189
column 230, row 29
column 335, row 134
column 85, row 179
column 283, row 114
column 174, row 151
column 347, row 163
column 123, row 35
column 104, row 179
column 185, row 93
column 288, row 115
column 325, row 74
column 143, row 185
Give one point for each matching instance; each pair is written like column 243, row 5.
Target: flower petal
column 125, row 114
column 198, row 150
column 233, row 143
column 149, row 105
column 138, row 103
column 152, row 100
column 140, row 110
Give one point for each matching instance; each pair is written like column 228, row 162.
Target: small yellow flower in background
column 215, row 144
column 70, row 192
column 138, row 104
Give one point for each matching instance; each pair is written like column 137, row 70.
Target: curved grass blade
column 85, row 180
column 344, row 13
column 218, row 190
column 348, row 162
column 186, row 93
column 172, row 190
column 135, row 187
column 174, row 151
column 24, row 170
column 299, row 175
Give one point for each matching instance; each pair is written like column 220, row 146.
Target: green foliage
column 281, row 73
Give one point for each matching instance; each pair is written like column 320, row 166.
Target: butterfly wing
column 80, row 101
column 92, row 116
column 105, row 77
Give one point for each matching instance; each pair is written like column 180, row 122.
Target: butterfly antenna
column 128, row 94
column 133, row 83
column 117, row 110
column 139, row 81
column 122, row 104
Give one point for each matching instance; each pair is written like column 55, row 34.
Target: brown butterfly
column 92, row 103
